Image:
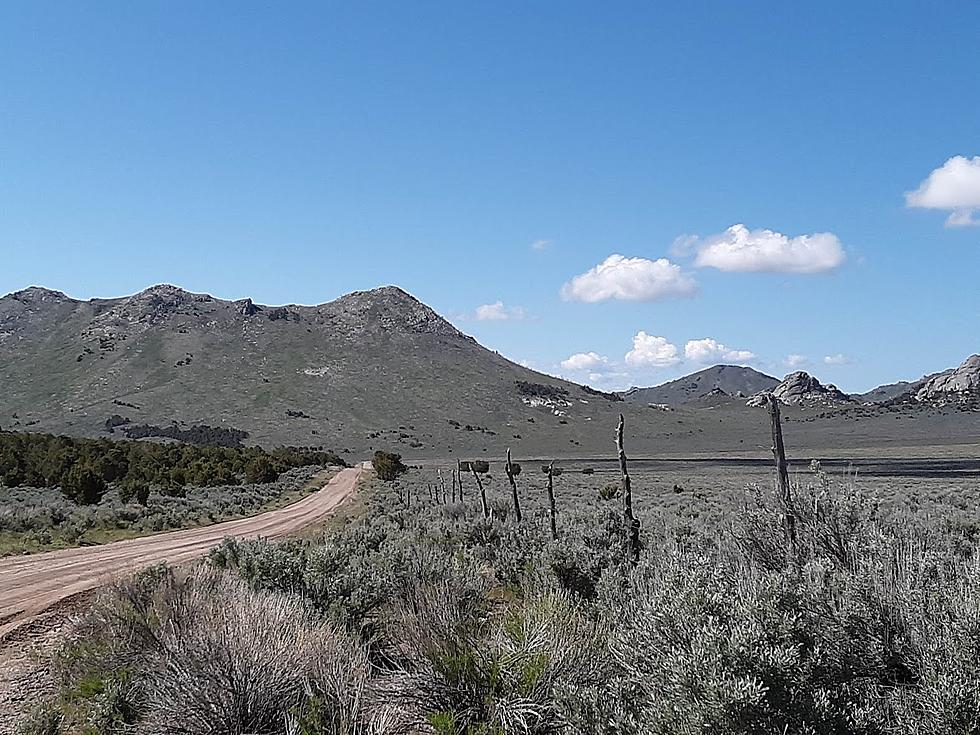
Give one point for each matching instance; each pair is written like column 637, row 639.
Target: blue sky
column 296, row 153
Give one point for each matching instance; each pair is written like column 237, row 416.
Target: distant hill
column 370, row 369
column 884, row 393
column 712, row 383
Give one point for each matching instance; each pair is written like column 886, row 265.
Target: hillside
column 372, row 368
column 732, row 380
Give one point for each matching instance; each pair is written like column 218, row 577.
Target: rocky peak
column 389, row 309
column 38, row 294
column 957, row 385
column 802, row 389
column 160, row 295
column 151, row 305
column 166, row 294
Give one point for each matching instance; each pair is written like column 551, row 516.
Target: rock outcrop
column 802, row 389
column 961, row 385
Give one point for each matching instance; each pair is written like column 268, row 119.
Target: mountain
column 371, row 369
column 712, row 383
column 802, row 389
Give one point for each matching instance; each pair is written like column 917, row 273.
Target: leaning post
column 551, row 501
column 632, row 524
column 483, row 493
column 509, row 469
column 782, row 473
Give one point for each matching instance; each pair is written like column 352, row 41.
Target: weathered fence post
column 782, row 472
column 459, row 475
column 442, row 481
column 509, row 469
column 483, row 493
column 453, row 473
column 632, row 524
column 551, row 500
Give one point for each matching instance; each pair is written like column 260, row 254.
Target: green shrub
column 43, row 460
column 260, row 470
column 388, row 465
column 83, row 485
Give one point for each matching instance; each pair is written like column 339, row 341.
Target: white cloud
column 837, row 359
column 954, row 186
column 743, row 250
column 630, row 279
column 651, row 351
column 795, row 361
column 584, row 361
column 710, row 350
column 497, row 312
column 540, row 245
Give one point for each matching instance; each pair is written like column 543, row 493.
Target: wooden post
column 442, row 481
column 459, row 475
column 509, row 469
column 453, row 472
column 782, row 474
column 632, row 524
column 551, row 501
column 483, row 493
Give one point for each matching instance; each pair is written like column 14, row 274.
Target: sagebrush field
column 429, row 617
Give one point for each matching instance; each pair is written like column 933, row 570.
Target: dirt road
column 31, row 584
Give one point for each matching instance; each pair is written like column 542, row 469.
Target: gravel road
column 29, row 585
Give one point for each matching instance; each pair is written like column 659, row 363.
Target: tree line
column 84, row 468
